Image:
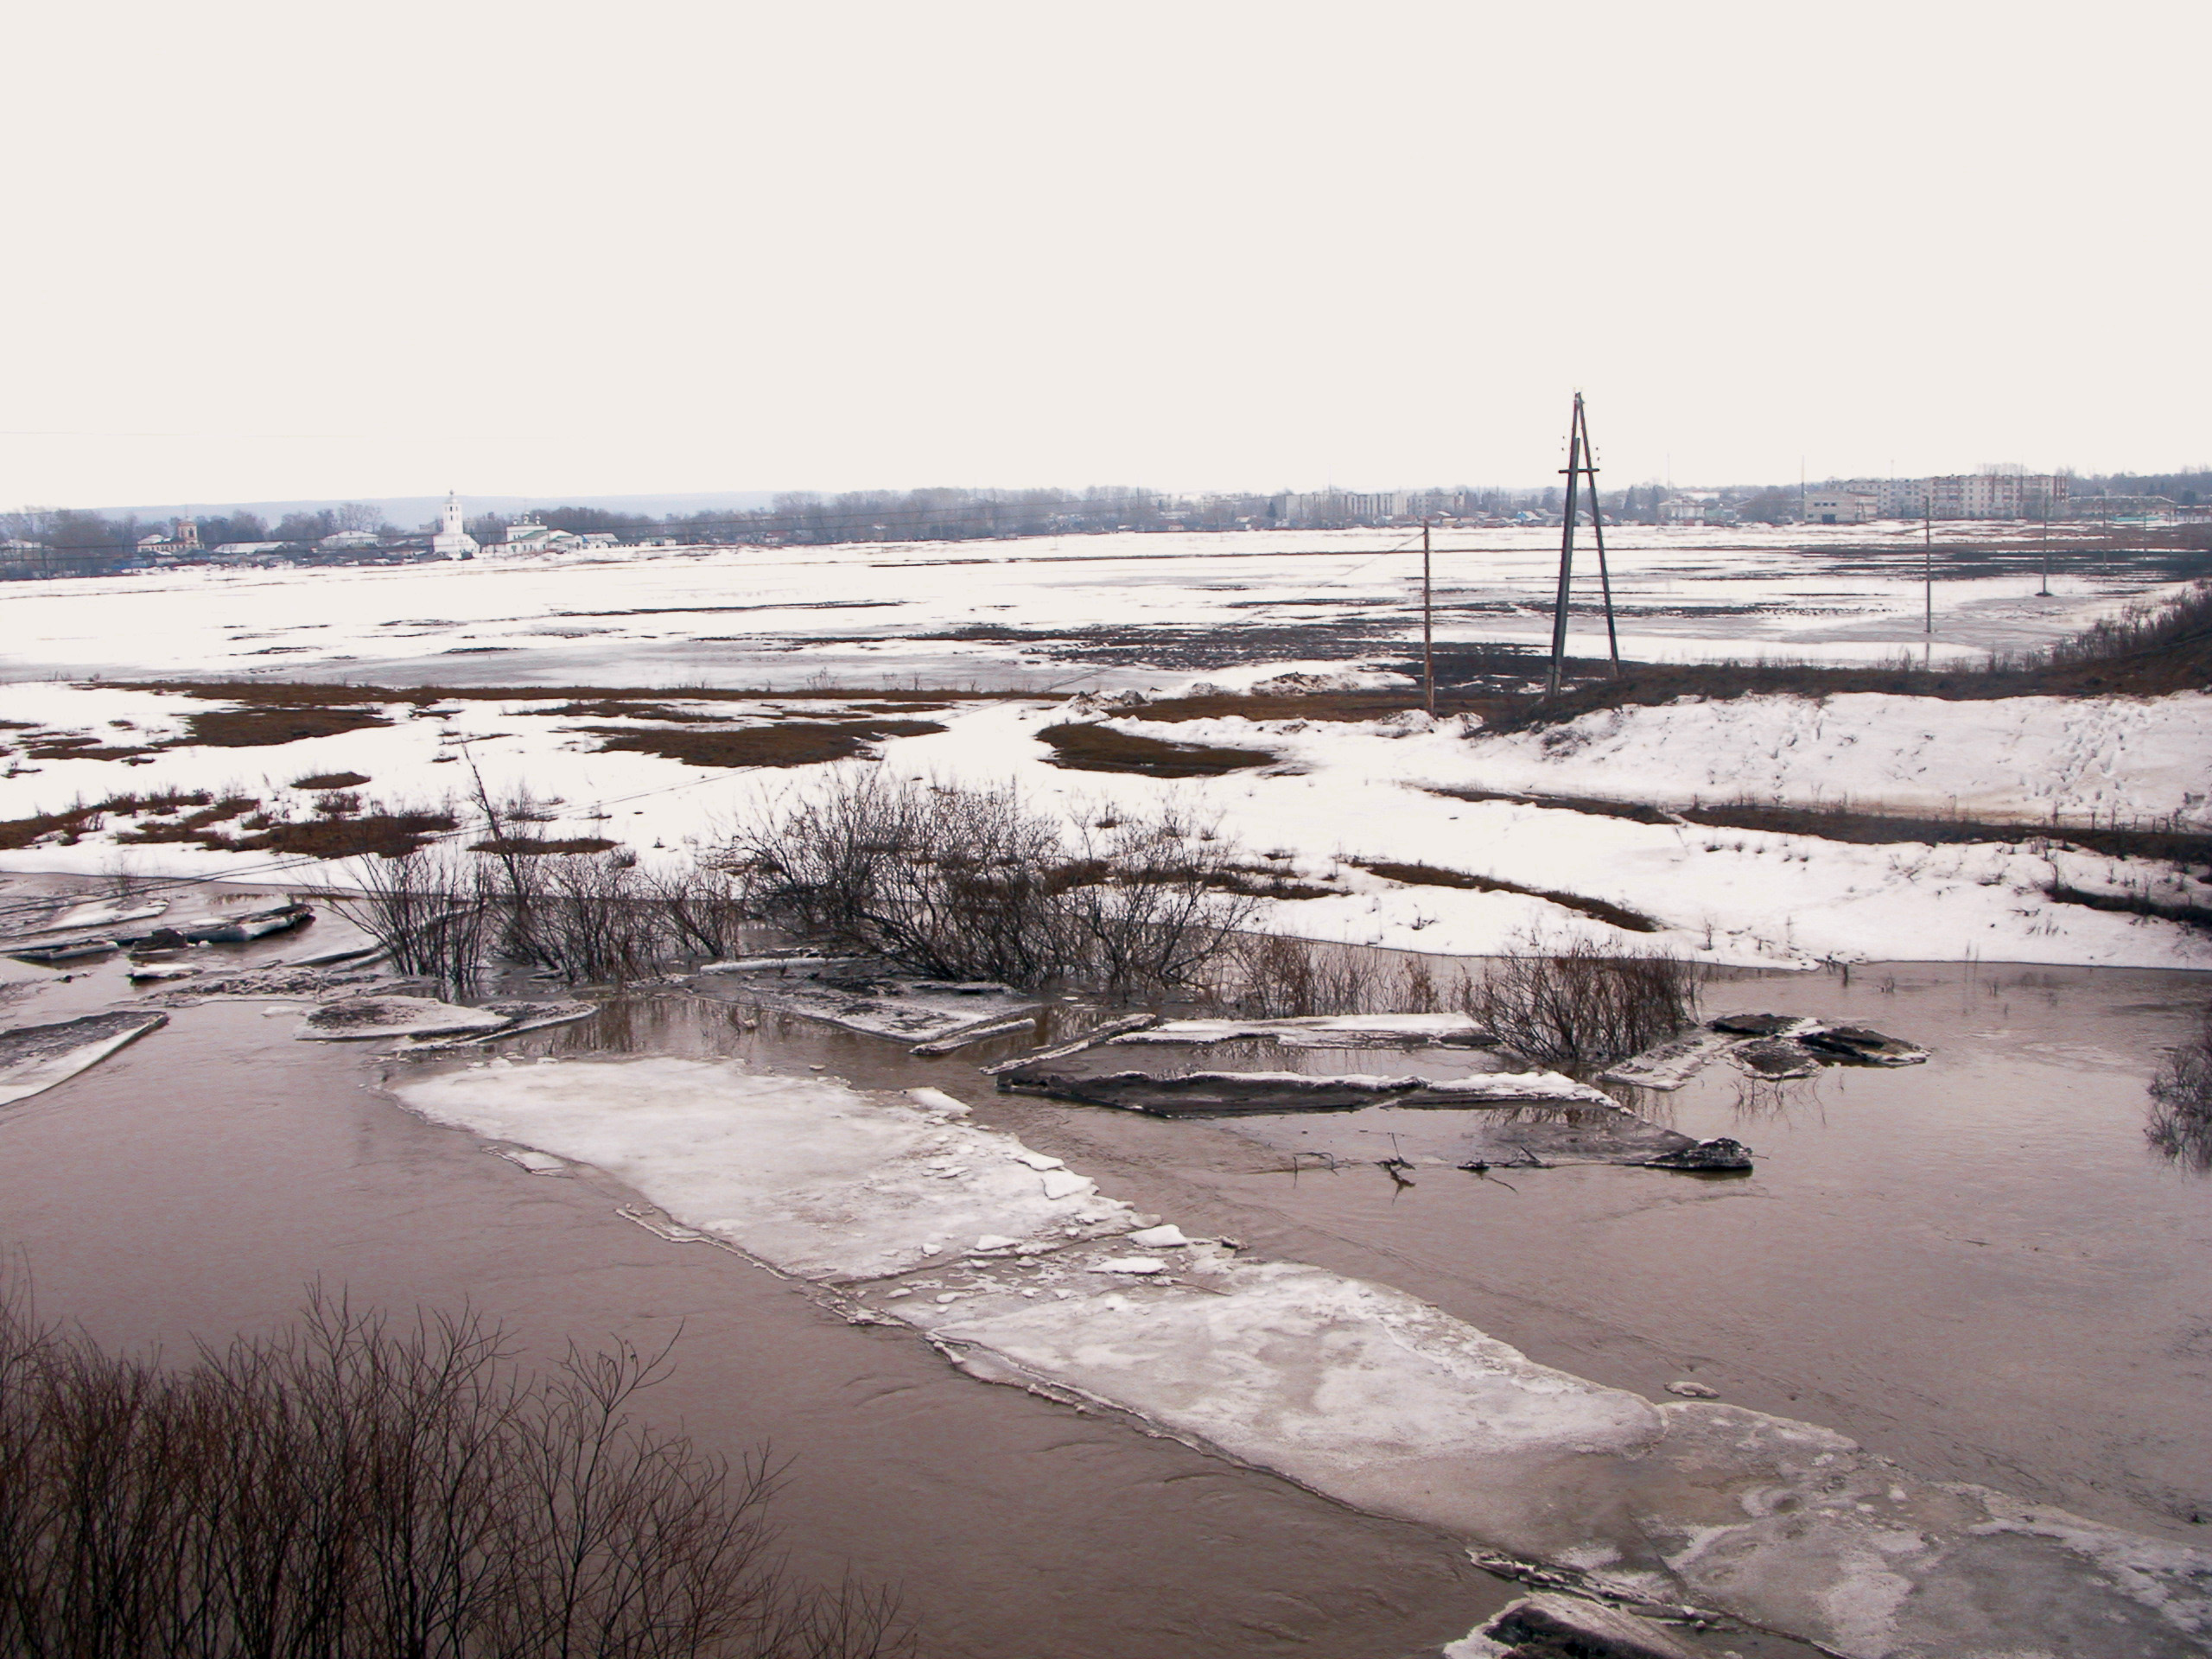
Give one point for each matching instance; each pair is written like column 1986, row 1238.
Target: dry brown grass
column 1429, row 875
column 528, row 847
column 264, row 725
column 385, row 835
column 786, row 743
column 1101, row 748
column 331, row 780
column 195, row 826
column 310, row 694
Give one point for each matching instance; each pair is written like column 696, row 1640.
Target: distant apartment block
column 1998, row 494
column 1993, row 493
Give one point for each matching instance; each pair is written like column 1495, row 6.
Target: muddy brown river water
column 1976, row 1267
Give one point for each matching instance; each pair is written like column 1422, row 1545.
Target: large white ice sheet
column 816, row 1178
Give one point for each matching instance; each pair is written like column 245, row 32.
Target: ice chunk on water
column 1131, row 1264
column 813, row 1176
column 1165, row 1237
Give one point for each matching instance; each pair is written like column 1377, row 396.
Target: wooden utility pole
column 1428, row 624
column 1928, row 563
column 1582, row 463
column 1566, row 549
column 2046, row 593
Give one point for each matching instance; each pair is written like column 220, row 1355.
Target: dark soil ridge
column 1872, row 828
column 784, row 743
column 1430, row 875
column 1102, row 748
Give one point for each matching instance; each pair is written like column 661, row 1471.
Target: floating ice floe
column 518, row 1016
column 809, row 1174
column 1554, row 1624
column 1358, row 1390
column 36, row 1057
column 1466, row 1105
column 882, row 1004
column 1324, row 1031
column 364, row 1018
column 1771, row 1047
column 103, row 912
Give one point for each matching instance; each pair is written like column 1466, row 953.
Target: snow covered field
column 1097, row 610
column 1339, row 792
column 1091, row 612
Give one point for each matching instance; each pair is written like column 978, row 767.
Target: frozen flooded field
column 1095, row 611
column 1976, row 1269
column 1930, row 1374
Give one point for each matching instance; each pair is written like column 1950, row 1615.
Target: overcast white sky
column 279, row 251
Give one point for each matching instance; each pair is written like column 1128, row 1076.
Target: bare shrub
column 1578, row 1005
column 430, row 908
column 1151, row 898
column 2180, row 1125
column 701, row 906
column 1267, row 976
column 596, row 919
column 971, row 884
column 349, row 1486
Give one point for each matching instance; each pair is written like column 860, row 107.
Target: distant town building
column 1848, row 505
column 527, row 538
column 1690, row 507
column 452, row 540
column 181, row 541
column 349, row 539
column 1995, row 493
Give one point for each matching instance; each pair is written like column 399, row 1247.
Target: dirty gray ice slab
column 36, row 1057
column 520, row 1015
column 365, row 1019
column 1354, row 1389
column 1554, row 1624
column 912, row 1010
column 1534, row 1136
column 1773, row 1046
column 283, row 984
column 1324, row 1031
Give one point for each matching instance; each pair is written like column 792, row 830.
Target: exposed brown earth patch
column 525, row 846
column 1430, row 875
column 1100, row 748
column 786, row 743
column 263, row 725
column 331, row 780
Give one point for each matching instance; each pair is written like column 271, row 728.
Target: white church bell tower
column 452, row 539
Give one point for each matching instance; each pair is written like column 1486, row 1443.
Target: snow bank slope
column 2006, row 758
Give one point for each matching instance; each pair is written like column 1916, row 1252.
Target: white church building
column 452, row 540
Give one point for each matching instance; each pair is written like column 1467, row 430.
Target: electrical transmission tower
column 1582, row 463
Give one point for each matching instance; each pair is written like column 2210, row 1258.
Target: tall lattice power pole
column 1582, row 463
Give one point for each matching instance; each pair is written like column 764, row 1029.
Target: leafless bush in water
column 1572, row 1005
column 1267, row 976
column 969, row 884
column 430, row 908
column 2181, row 1100
column 1149, row 898
column 595, row 917
column 348, row 1487
column 1578, row 1004
column 701, row 905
